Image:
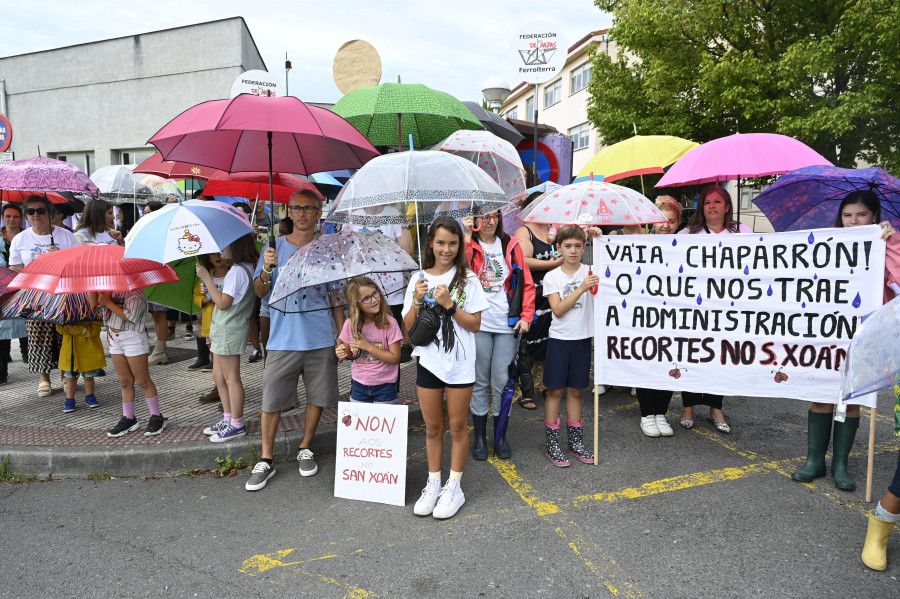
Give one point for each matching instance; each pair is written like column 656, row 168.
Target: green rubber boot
column 844, row 434
column 479, row 442
column 819, row 434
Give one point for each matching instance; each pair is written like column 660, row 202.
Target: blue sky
column 453, row 46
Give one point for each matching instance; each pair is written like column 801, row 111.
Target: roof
column 526, row 128
column 243, row 22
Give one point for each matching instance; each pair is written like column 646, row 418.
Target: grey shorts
column 283, row 369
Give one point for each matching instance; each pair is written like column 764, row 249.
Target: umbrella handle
column 429, row 300
column 594, row 288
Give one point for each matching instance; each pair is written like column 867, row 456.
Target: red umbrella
column 17, row 197
column 171, row 169
column 255, row 186
column 263, row 134
column 96, row 267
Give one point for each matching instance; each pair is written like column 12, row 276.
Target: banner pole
column 871, row 466
column 596, row 425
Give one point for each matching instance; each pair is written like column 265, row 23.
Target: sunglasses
column 32, row 211
column 371, row 298
column 304, row 209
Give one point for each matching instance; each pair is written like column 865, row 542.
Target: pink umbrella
column 259, row 133
column 45, row 175
column 741, row 155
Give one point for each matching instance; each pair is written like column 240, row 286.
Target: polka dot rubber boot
column 552, row 449
column 576, row 442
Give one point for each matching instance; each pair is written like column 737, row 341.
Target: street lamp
column 495, row 92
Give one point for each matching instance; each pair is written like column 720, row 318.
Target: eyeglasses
column 491, row 217
column 31, row 211
column 303, row 209
column 371, row 298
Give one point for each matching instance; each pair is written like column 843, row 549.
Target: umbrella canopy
column 6, row 277
column 178, row 295
column 255, row 186
column 233, row 136
column 119, row 183
column 592, row 203
column 873, row 362
column 45, row 174
column 93, row 267
column 338, row 257
column 809, row 197
column 389, row 113
column 495, row 123
column 172, row 169
column 495, row 156
column 55, row 197
column 638, row 155
column 741, row 155
column 66, row 308
column 421, row 185
column 186, row 229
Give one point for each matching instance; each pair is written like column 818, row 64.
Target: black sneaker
column 126, row 425
column 155, row 426
column 405, row 353
column 256, row 356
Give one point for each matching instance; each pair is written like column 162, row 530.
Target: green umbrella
column 180, row 294
column 391, row 112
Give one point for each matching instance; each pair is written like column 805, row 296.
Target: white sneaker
column 431, row 492
column 663, row 425
column 648, row 426
column 601, row 389
column 450, row 501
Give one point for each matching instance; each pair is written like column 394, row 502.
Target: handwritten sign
column 371, row 453
column 760, row 315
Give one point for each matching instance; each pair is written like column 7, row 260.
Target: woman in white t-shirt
column 41, row 238
column 499, row 263
column 97, row 224
column 714, row 216
column 448, row 363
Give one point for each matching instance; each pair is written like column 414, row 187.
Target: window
column 133, row 156
column 552, row 93
column 83, row 160
column 513, row 113
column 580, row 136
column 529, row 109
column 580, row 77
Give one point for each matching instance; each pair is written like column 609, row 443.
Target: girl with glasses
column 371, row 338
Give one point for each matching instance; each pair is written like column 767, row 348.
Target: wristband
column 451, row 310
column 268, row 272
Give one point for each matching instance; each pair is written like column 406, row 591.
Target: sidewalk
column 42, row 440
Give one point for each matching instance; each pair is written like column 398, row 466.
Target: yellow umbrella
column 638, row 155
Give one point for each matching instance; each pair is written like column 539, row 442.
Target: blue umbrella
column 186, row 230
column 809, row 197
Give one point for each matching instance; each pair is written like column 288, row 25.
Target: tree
column 824, row 71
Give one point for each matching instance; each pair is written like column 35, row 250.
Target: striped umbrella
column 66, row 308
column 94, row 267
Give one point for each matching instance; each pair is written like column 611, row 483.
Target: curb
column 162, row 459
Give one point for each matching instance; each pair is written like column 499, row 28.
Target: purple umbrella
column 47, row 175
column 809, row 197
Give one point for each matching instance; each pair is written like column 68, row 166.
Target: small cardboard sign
column 538, row 52
column 371, row 453
column 257, row 83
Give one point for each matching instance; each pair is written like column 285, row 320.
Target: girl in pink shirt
column 371, row 338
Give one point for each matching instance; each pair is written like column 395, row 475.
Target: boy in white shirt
column 569, row 347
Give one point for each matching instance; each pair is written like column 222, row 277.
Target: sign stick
column 596, row 425
column 871, row 465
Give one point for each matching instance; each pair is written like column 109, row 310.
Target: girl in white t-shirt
column 448, row 363
column 97, row 224
column 228, row 330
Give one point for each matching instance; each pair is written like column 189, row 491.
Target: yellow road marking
column 607, row 571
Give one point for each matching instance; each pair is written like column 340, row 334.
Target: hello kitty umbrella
column 186, row 230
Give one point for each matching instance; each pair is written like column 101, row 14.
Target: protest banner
column 371, row 453
column 766, row 315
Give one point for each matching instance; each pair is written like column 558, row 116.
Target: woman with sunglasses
column 42, row 237
column 499, row 263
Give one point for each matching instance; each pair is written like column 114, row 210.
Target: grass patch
column 7, row 476
column 229, row 466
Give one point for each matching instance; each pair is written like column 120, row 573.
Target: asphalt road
column 700, row 514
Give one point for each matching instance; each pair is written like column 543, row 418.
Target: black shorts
column 427, row 380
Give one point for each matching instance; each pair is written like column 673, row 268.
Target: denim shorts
column 383, row 394
column 88, row 375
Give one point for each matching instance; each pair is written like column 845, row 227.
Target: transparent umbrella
column 119, row 183
column 496, row 157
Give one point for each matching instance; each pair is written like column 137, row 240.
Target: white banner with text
column 765, row 315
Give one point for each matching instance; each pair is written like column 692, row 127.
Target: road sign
column 6, row 133
column 7, row 157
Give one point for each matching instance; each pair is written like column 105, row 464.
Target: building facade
column 98, row 103
column 562, row 102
